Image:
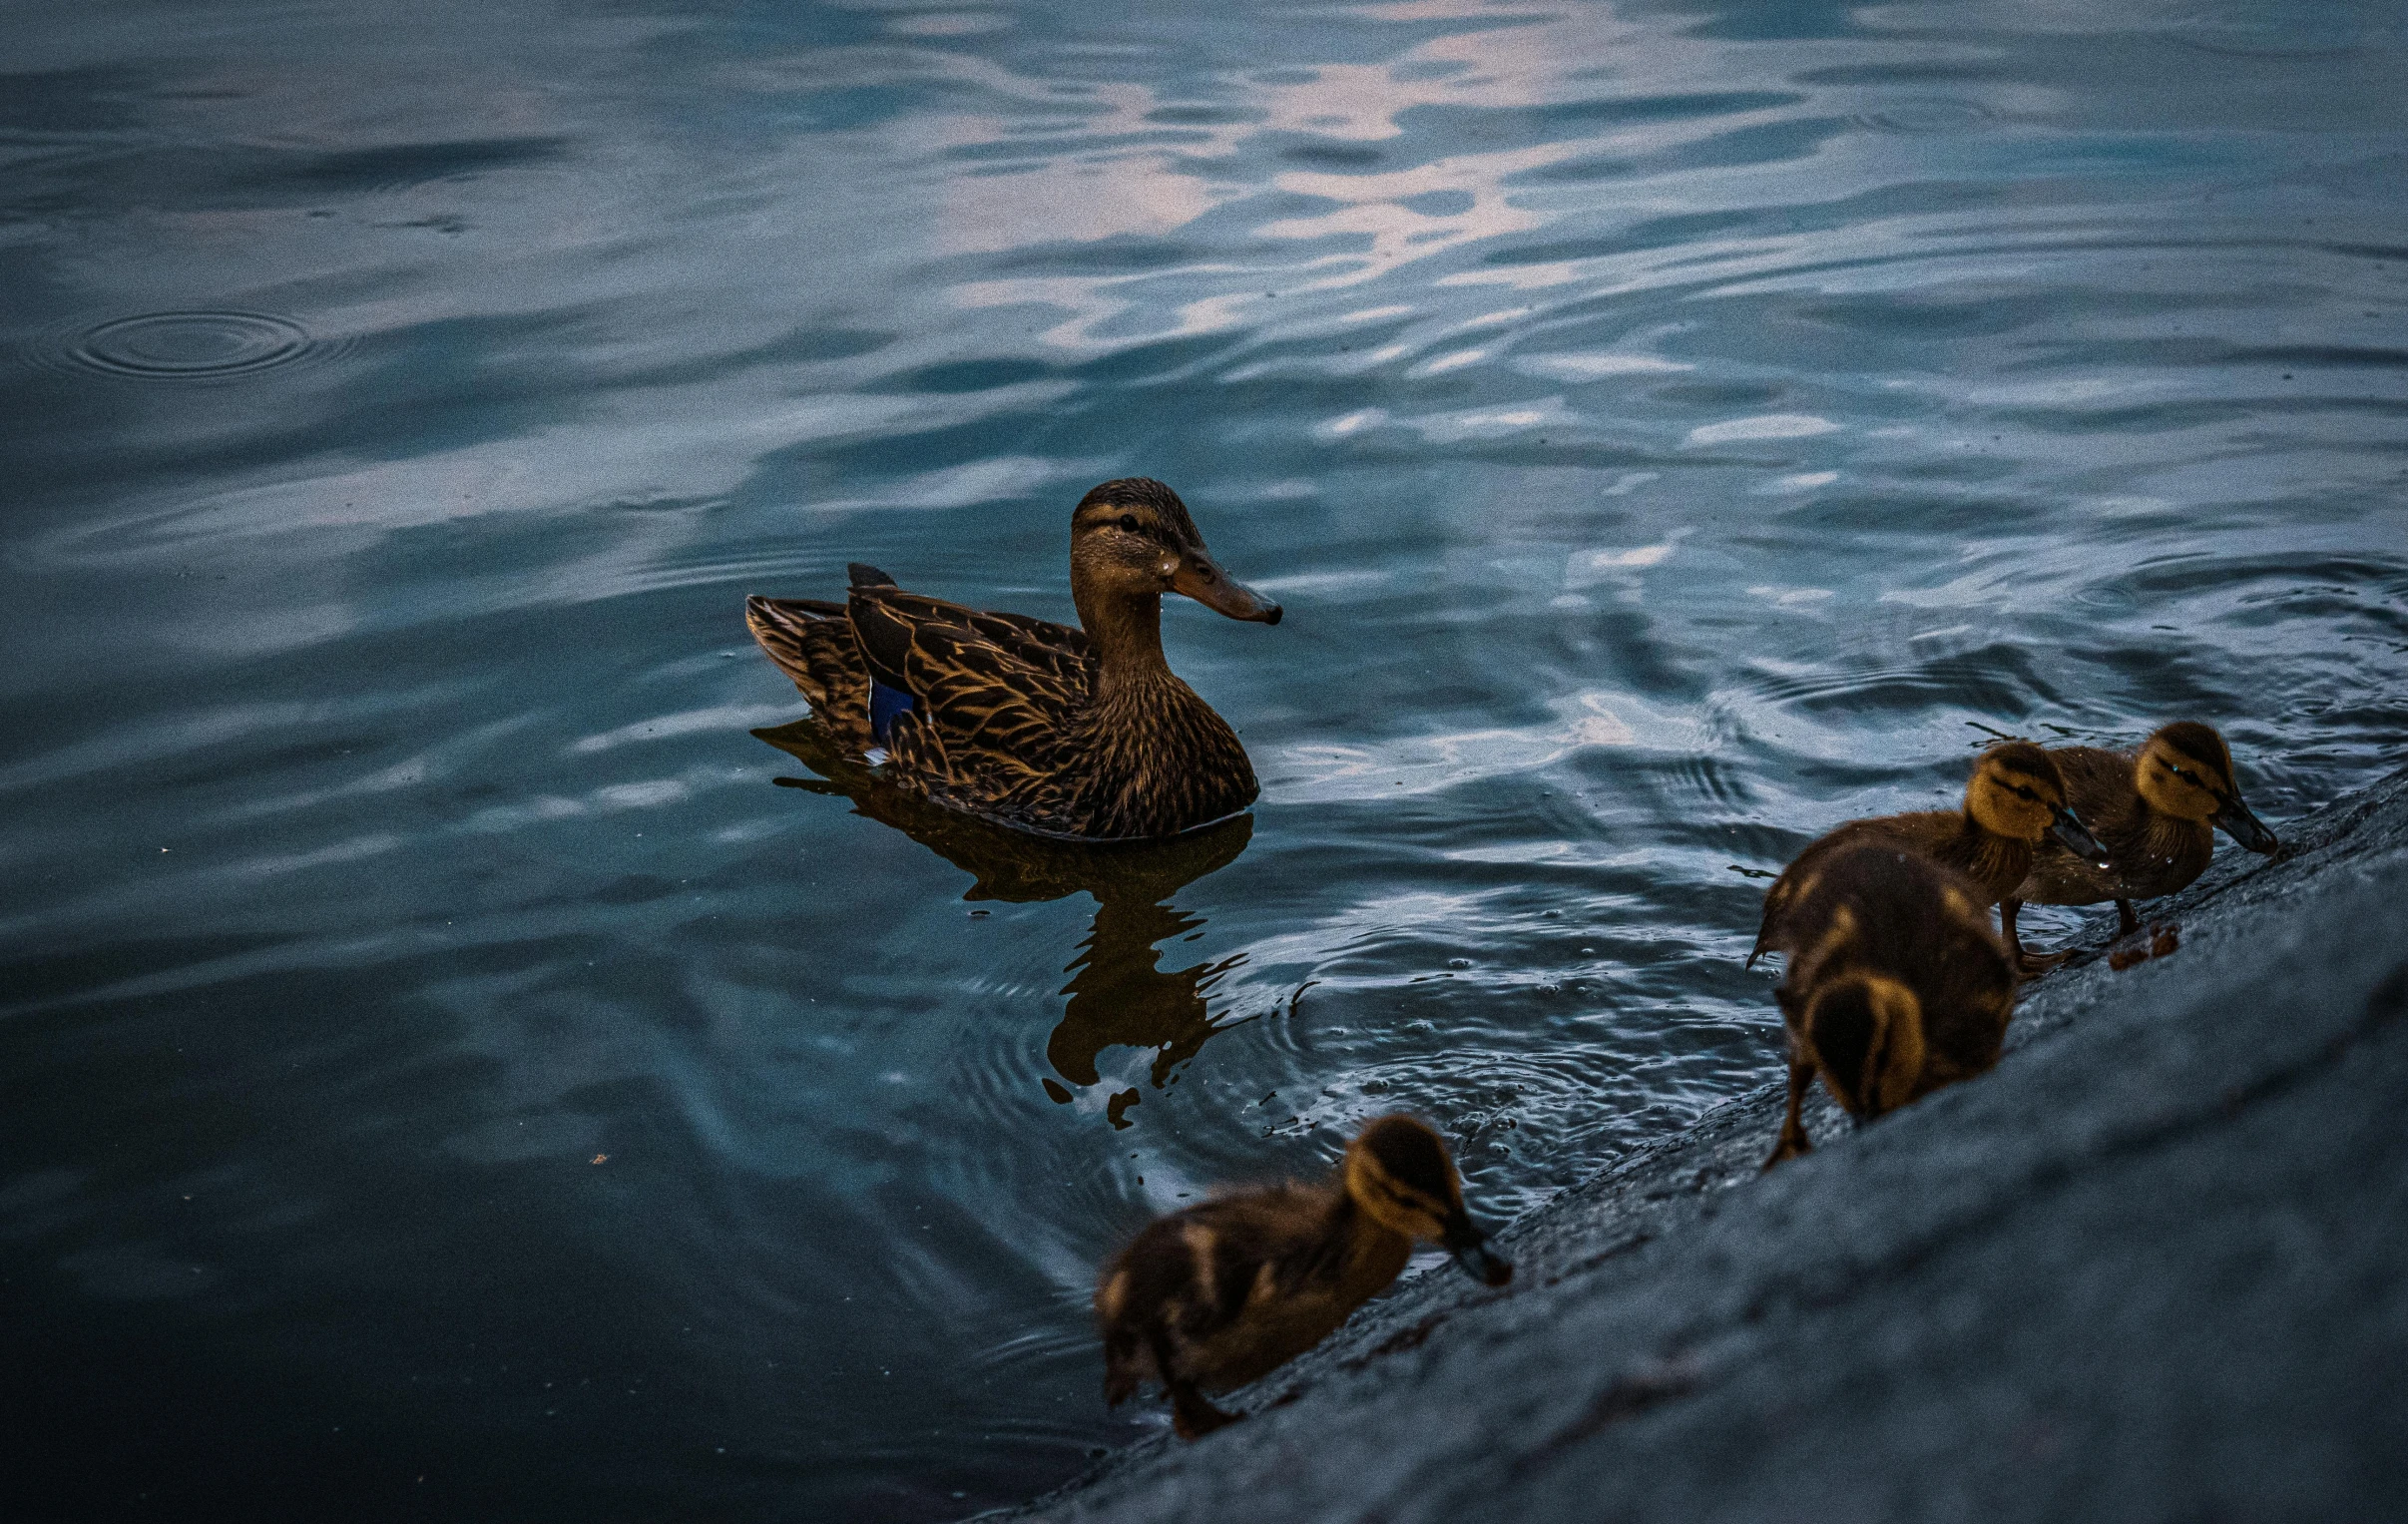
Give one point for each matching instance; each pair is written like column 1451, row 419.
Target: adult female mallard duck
column 1082, row 734
column 2012, row 801
column 1896, row 984
column 1231, row 1288
column 2157, row 807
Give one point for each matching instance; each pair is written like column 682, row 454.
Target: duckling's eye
column 2027, row 794
column 1128, row 522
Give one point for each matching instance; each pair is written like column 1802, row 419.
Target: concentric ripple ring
column 191, row 347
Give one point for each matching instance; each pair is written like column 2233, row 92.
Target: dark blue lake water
column 447, row 1076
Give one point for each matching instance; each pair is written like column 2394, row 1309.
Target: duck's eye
column 2027, row 794
column 1128, row 522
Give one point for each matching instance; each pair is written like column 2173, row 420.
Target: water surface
column 447, row 1076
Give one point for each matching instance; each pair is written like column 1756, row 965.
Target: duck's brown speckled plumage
column 2014, row 799
column 1075, row 733
column 1896, row 984
column 1228, row 1290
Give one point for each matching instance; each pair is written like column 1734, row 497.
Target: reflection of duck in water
column 1082, row 734
column 1119, row 996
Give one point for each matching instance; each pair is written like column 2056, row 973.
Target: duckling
column 2013, row 798
column 1079, row 734
column 2157, row 807
column 1896, row 984
column 1231, row 1288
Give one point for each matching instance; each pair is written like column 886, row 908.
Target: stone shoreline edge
column 2152, row 1266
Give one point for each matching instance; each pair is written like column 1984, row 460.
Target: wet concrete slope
column 2152, row 1267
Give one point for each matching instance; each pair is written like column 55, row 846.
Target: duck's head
column 1134, row 538
column 2185, row 772
column 1867, row 1029
column 1398, row 1172
column 2017, row 791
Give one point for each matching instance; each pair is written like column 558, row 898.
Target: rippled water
column 447, row 1077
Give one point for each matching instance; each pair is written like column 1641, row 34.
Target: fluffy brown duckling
column 2014, row 801
column 1896, row 984
column 1231, row 1288
column 2157, row 807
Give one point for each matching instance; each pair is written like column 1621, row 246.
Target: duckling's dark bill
column 1469, row 1245
column 1199, row 577
column 2244, row 827
column 1482, row 1266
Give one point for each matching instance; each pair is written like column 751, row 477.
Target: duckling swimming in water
column 1231, row 1288
column 1896, row 984
column 2014, row 799
column 2157, row 807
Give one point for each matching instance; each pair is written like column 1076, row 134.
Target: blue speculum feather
column 884, row 703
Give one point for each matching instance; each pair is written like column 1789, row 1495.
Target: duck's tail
column 1765, row 942
column 811, row 641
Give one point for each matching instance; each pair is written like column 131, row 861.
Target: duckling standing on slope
column 2156, row 809
column 2012, row 801
column 1896, row 984
column 1231, row 1288
column 1082, row 734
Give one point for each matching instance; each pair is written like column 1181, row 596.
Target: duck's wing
column 901, row 632
column 976, row 702
column 1287, row 1229
column 2098, row 785
column 813, row 643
